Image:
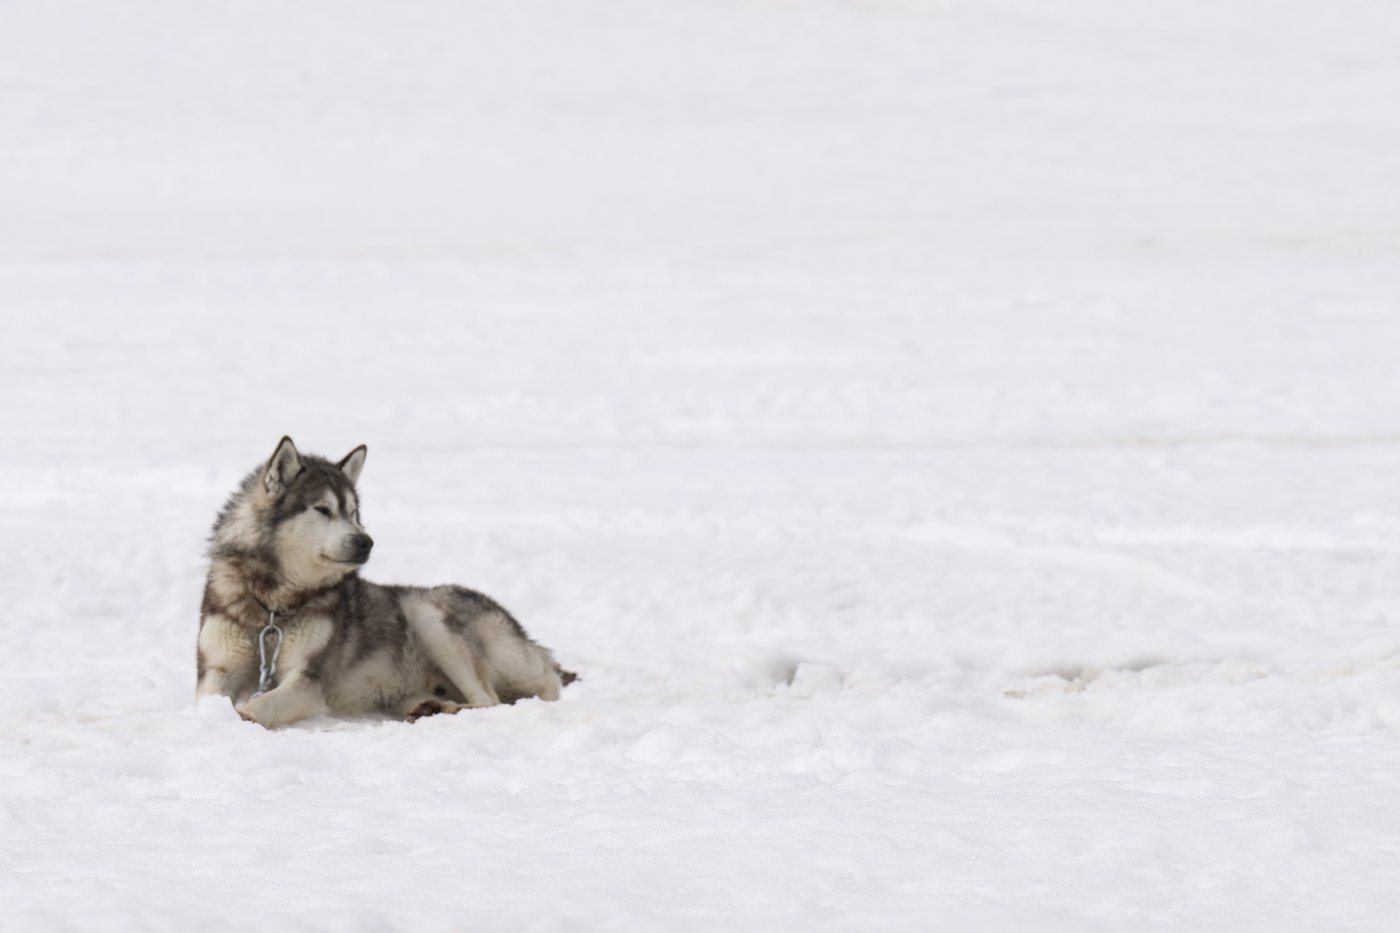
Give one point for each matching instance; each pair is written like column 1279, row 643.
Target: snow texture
column 956, row 442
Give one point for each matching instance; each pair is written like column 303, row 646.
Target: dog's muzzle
column 359, row 548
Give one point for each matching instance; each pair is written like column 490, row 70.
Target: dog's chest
column 300, row 639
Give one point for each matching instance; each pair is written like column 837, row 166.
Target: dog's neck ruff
column 294, row 600
column 271, row 611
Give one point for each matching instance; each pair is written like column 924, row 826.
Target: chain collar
column 267, row 667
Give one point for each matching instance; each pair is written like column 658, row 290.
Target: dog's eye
column 324, row 511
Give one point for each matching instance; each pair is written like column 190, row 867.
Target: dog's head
column 301, row 514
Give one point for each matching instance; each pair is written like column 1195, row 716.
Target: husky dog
column 287, row 548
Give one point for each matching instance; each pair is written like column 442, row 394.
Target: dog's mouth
column 352, row 562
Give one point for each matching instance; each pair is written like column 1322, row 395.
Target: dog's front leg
column 225, row 662
column 293, row 699
column 224, row 682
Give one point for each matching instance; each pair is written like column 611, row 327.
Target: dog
column 288, row 630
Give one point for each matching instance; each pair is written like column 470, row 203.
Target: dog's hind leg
column 450, row 651
column 518, row 667
column 526, row 675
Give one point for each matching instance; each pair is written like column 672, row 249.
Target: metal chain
column 268, row 669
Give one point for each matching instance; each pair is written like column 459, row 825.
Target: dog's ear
column 283, row 467
column 353, row 463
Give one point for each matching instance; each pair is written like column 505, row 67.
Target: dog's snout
column 362, row 543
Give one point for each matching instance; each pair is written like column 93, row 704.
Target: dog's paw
column 426, row 708
column 432, row 708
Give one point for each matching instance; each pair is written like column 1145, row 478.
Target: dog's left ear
column 352, row 464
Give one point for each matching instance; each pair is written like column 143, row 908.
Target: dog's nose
column 362, row 544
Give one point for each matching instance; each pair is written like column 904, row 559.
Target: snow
column 955, row 442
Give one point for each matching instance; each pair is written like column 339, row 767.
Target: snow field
column 954, row 442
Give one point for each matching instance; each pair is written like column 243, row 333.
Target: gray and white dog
column 287, row 548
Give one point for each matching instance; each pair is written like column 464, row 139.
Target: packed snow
column 957, row 444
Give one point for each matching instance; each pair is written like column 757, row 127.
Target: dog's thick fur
column 290, row 542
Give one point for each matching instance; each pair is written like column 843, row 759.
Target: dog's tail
column 567, row 677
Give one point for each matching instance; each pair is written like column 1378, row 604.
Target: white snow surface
column 956, row 442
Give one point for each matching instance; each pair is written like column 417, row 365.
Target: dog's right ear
column 283, row 467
